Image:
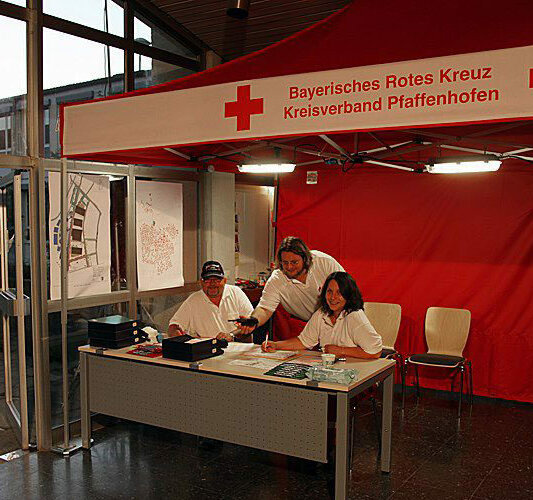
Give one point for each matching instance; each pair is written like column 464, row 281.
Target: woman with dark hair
column 339, row 326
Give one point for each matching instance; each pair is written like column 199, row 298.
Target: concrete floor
column 487, row 456
column 8, row 441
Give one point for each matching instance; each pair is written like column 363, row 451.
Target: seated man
column 339, row 326
column 206, row 312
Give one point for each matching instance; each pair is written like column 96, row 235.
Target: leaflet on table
column 311, row 358
column 147, row 350
column 292, row 370
column 279, row 355
column 262, row 364
column 234, row 347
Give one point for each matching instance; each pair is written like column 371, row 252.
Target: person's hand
column 175, row 330
column 268, row 346
column 247, row 329
column 334, row 349
column 225, row 336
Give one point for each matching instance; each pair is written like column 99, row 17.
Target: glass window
column 77, row 336
column 21, row 3
column 13, row 87
column 46, row 112
column 9, row 203
column 118, row 187
column 104, row 15
column 149, row 34
column 151, row 71
column 75, row 69
column 158, row 311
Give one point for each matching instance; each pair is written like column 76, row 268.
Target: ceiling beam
column 400, row 150
column 331, row 142
column 446, row 137
column 390, row 165
column 178, row 153
column 501, row 128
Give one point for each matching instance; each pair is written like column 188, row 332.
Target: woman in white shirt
column 339, row 326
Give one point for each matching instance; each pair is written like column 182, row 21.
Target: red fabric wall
column 429, row 240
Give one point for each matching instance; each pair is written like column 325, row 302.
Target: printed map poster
column 159, row 235
column 88, row 233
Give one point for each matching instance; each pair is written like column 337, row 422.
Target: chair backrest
column 447, row 330
column 385, row 318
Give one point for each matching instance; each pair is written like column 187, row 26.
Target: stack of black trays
column 185, row 348
column 113, row 332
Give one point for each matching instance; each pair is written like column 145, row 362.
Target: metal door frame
column 19, row 419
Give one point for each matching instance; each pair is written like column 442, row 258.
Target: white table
column 266, row 412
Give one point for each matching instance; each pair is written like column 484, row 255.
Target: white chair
column 446, row 331
column 385, row 318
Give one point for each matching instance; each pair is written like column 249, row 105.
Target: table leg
column 386, row 426
column 341, row 455
column 84, row 396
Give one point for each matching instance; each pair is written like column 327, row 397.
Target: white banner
column 159, row 234
column 88, row 232
column 484, row 86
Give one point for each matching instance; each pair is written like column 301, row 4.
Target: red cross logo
column 243, row 108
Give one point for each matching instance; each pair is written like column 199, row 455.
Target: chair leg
column 462, row 368
column 399, row 360
column 404, row 377
column 377, row 425
column 471, row 383
column 417, row 383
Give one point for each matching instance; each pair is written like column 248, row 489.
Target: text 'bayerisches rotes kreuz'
column 385, row 93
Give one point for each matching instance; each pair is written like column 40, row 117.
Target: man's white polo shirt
column 299, row 299
column 350, row 330
column 199, row 317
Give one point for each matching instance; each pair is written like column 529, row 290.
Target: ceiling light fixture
column 238, row 9
column 464, row 165
column 267, row 168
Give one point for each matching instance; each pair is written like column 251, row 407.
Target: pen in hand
column 265, row 344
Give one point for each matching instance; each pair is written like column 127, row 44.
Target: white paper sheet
column 88, row 228
column 159, row 234
column 305, row 359
column 262, row 364
column 278, row 355
column 239, row 347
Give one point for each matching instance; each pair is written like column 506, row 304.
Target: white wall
column 218, row 221
column 253, row 208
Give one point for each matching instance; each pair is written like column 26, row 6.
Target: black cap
column 212, row 269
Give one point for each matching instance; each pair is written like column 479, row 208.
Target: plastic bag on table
column 333, row 375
